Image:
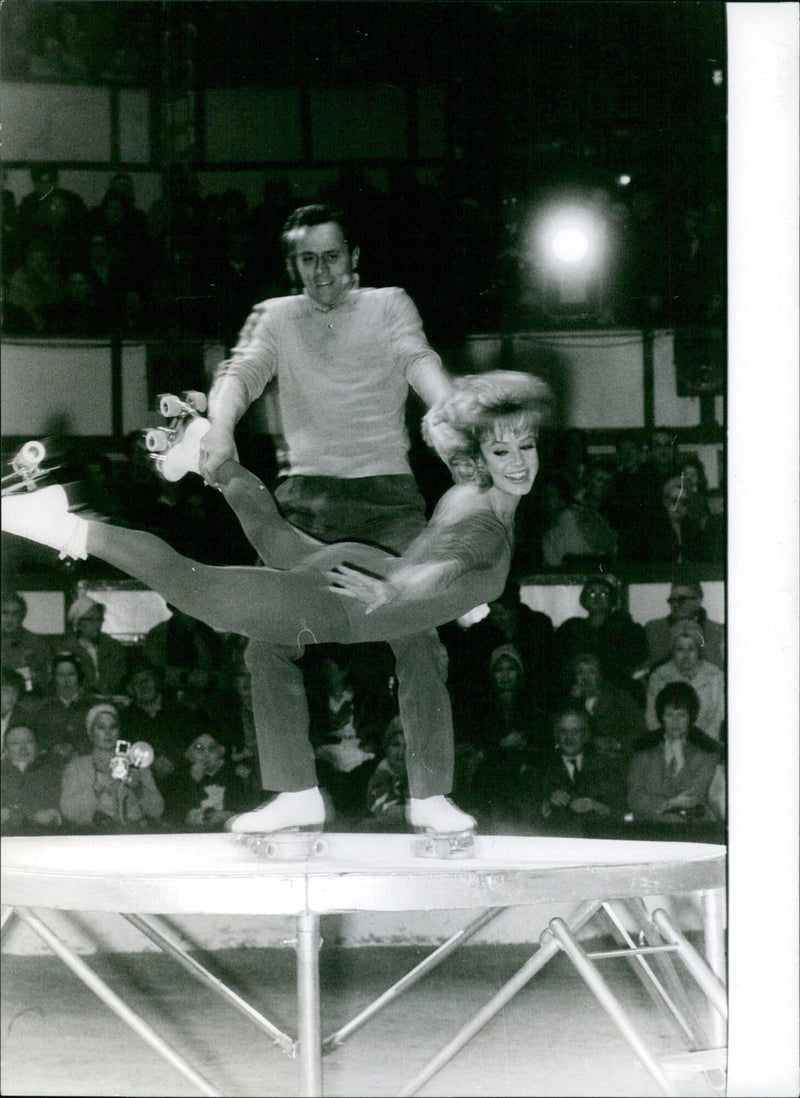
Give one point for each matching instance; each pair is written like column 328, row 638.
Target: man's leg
column 424, row 703
column 280, row 713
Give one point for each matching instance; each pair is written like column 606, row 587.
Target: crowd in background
column 600, row 726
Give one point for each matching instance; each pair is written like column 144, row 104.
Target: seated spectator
column 342, row 733
column 96, row 793
column 670, row 534
column 685, row 603
column 36, row 292
column 30, row 787
column 581, row 533
column 83, row 312
column 510, row 736
column 711, row 527
column 717, row 799
column 157, row 717
column 688, row 665
column 607, row 630
column 15, row 703
column 509, row 621
column 576, row 785
column 669, row 782
column 387, row 789
column 22, row 650
column 205, row 789
column 56, row 215
column 616, row 721
column 60, row 718
column 624, row 505
column 104, row 660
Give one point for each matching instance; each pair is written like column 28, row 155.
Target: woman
column 30, row 786
column 347, row 592
column 60, row 719
column 93, row 796
column 689, row 665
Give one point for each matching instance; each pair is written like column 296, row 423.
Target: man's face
column 20, row 746
column 13, row 616
column 684, row 603
column 505, row 673
column 571, row 734
column 587, row 678
column 66, row 680
column 143, row 687
column 105, row 732
column 324, row 262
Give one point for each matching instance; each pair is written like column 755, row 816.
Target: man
column 343, row 359
column 686, row 604
column 616, row 721
column 23, row 651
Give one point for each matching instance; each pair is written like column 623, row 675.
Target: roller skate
column 287, row 828
column 175, row 448
column 444, row 830
column 41, row 514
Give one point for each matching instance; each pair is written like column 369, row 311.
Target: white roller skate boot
column 182, row 455
column 446, row 831
column 44, row 516
column 288, row 827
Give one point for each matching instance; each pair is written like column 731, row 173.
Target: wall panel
column 55, row 122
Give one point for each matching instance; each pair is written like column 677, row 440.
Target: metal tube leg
column 540, row 958
column 714, row 936
column 113, row 1001
column 309, row 1037
column 608, row 1002
column 711, row 985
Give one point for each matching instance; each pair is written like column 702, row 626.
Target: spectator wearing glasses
column 685, row 604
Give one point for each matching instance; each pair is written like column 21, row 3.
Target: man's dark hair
column 304, row 217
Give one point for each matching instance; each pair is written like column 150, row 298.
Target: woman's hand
column 355, row 584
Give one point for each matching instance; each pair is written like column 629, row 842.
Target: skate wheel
column 268, row 849
column 319, row 848
column 157, row 440
column 195, row 399
column 31, row 454
column 170, row 406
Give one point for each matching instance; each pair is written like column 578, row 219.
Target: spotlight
column 570, row 245
column 623, row 180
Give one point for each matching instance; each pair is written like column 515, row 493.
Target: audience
column 206, row 788
column 100, row 795
column 157, row 718
column 60, row 718
column 581, row 534
column 577, row 787
column 670, row 781
column 30, row 787
column 607, row 630
column 687, row 664
column 616, row 721
column 685, row 603
column 387, row 788
column 103, row 659
column 15, row 704
column 27, row 653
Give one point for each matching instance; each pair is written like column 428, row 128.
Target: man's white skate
column 174, row 448
column 292, row 845
column 287, row 828
column 443, row 830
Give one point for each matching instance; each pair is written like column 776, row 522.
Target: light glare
column 570, row 245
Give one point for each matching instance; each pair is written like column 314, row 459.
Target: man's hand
column 216, row 447
column 583, row 805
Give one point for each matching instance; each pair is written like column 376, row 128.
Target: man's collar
column 312, row 306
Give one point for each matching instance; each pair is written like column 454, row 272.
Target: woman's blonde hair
column 456, row 426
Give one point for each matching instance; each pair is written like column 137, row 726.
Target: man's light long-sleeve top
column 343, row 376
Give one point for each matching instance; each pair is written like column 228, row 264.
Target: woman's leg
column 280, row 606
column 276, row 541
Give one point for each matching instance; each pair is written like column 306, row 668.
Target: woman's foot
column 439, row 815
column 184, row 455
column 44, row 517
column 287, row 811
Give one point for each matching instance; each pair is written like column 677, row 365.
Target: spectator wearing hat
column 688, row 664
column 206, row 787
column 607, row 630
column 23, row 651
column 670, row 781
column 686, row 604
column 104, row 660
column 30, row 788
column 95, row 796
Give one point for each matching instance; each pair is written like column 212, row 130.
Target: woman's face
column 105, row 732
column 66, row 680
column 505, row 673
column 206, row 751
column 511, row 457
column 686, row 655
column 676, row 722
